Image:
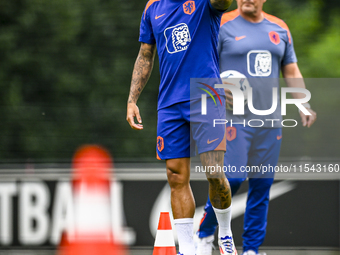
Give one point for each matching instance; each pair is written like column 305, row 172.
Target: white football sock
column 185, row 229
column 223, row 218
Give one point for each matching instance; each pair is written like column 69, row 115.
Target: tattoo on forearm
column 141, row 72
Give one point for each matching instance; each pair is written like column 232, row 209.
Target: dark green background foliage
column 66, row 67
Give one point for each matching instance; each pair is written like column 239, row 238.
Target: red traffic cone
column 164, row 242
column 91, row 191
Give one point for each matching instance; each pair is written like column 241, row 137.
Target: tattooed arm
column 221, row 5
column 141, row 73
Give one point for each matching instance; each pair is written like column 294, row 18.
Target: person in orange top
column 257, row 46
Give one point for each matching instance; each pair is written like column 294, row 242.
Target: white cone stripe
column 164, row 238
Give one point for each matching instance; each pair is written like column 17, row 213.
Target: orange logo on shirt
column 231, row 133
column 279, row 137
column 157, row 17
column 189, row 7
column 274, row 37
column 160, row 143
column 237, row 38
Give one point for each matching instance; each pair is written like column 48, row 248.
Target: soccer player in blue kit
column 257, row 45
column 185, row 33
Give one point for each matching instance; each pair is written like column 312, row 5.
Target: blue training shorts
column 182, row 127
column 252, row 152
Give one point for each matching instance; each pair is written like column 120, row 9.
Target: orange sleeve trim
column 228, row 16
column 223, row 144
column 148, row 5
column 278, row 22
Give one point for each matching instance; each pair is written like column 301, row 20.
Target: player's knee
column 177, row 179
column 178, row 174
column 174, row 179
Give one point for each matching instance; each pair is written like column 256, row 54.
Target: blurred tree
column 65, row 74
column 66, row 66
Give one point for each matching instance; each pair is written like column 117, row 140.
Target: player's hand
column 228, row 94
column 308, row 120
column 132, row 112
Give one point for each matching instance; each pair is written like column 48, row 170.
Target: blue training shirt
column 186, row 35
column 257, row 50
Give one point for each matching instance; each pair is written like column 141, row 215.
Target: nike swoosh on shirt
column 209, row 142
column 157, row 17
column 279, row 137
column 237, row 38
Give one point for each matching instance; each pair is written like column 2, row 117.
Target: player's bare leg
column 219, row 190
column 182, row 202
column 220, row 197
column 182, row 199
